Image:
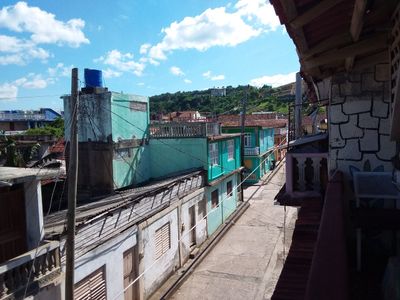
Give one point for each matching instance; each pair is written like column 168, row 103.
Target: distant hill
column 259, row 99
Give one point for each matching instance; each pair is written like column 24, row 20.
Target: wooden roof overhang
column 336, row 35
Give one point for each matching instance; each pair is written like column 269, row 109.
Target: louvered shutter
column 92, row 287
column 162, row 240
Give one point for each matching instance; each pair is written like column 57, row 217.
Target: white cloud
column 109, row 73
column 188, row 81
column 140, row 84
column 223, row 26
column 122, row 62
column 60, row 70
column 144, row 48
column 274, row 80
column 260, row 11
column 43, row 26
column 212, row 77
column 176, row 71
column 214, row 27
column 32, row 81
column 217, row 77
column 19, row 52
column 207, row 74
column 8, row 91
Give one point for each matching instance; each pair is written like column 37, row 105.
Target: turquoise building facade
column 219, row 155
column 113, row 140
column 258, row 150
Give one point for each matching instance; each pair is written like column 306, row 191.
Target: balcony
column 184, row 130
column 41, row 265
column 306, row 174
column 252, row 151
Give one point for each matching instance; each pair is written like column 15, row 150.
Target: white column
column 302, row 172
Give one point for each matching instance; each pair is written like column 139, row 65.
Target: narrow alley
column 246, row 262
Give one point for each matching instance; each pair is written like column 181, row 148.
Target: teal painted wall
column 226, row 205
column 225, row 165
column 254, row 162
column 130, row 122
column 174, row 155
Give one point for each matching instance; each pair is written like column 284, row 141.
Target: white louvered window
column 92, row 286
column 247, row 139
column 231, row 149
column 214, row 155
column 162, row 240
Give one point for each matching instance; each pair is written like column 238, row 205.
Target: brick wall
column 359, row 121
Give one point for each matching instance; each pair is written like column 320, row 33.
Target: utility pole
column 297, row 107
column 242, row 125
column 72, row 188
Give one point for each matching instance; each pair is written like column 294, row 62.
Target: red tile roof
column 252, row 120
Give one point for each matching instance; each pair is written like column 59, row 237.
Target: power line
column 204, row 217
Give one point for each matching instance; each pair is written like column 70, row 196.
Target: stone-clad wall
column 360, row 122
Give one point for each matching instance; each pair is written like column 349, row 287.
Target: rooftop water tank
column 93, row 78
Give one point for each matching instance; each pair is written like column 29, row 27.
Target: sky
column 143, row 47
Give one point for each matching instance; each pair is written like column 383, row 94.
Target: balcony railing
column 187, row 129
column 41, row 265
column 306, row 172
column 252, row 151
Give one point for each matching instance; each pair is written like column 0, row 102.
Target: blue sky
column 144, row 47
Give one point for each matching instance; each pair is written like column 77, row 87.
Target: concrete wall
column 173, row 155
column 197, row 199
column 110, row 255
column 226, row 205
column 34, row 213
column 168, row 262
column 359, row 122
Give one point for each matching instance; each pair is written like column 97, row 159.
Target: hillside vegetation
column 259, row 99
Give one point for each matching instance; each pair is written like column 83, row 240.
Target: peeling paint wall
column 168, row 262
column 196, row 199
column 359, row 122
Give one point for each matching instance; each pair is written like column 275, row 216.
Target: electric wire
column 204, row 217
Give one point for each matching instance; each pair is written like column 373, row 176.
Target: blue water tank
column 93, row 78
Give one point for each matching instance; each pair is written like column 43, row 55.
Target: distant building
column 218, row 92
column 20, row 120
column 259, row 142
column 182, row 116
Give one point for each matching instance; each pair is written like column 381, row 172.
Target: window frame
column 158, row 235
column 214, row 203
column 229, row 190
column 213, row 150
column 247, row 140
column 231, row 149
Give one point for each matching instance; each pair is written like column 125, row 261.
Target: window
column 122, row 153
column 202, row 208
column 92, row 286
column 229, row 188
column 214, row 199
column 247, row 139
column 231, row 149
column 214, row 155
column 162, row 240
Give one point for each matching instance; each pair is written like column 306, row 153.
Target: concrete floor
column 247, row 261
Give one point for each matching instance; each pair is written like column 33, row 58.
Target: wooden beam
column 357, row 21
column 327, row 44
column 313, row 12
column 291, row 13
column 364, row 46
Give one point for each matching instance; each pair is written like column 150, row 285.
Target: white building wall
column 156, row 272
column 197, row 199
column 34, row 213
column 110, row 255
